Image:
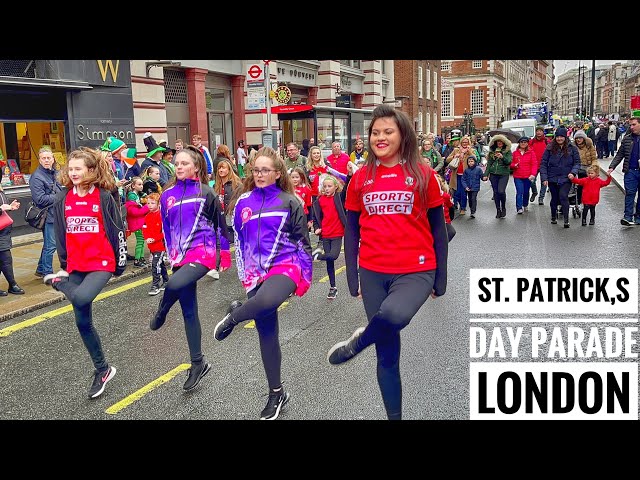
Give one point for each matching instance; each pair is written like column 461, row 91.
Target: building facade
column 472, row 92
column 225, row 100
column 416, row 85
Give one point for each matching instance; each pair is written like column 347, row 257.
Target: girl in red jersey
column 299, row 180
column 153, row 237
column 329, row 220
column 91, row 246
column 394, row 204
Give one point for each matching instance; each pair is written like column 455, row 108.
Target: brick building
column 472, row 90
column 416, row 85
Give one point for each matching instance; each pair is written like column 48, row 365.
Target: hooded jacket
column 113, row 227
column 556, row 166
column 44, row 188
column 499, row 166
column 271, row 238
column 191, row 216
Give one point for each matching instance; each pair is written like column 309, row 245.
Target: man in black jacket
column 44, row 187
column 630, row 151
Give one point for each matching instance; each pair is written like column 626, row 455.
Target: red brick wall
column 406, row 85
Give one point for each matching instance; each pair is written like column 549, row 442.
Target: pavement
column 617, row 177
column 26, row 253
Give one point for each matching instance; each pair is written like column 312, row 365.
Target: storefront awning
column 44, row 82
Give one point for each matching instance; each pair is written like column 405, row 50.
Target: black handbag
column 35, row 216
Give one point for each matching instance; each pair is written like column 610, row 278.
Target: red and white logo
column 171, row 201
column 245, row 215
column 388, row 203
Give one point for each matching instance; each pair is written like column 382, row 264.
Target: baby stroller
column 573, row 201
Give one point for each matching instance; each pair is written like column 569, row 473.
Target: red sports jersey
column 314, row 178
column 331, row 225
column 152, row 228
column 304, row 193
column 88, row 248
column 395, row 235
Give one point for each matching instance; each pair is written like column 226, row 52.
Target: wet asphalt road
column 45, row 371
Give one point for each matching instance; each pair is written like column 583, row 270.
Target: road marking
column 284, row 304
column 134, row 397
column 326, row 278
column 251, row 324
column 5, row 332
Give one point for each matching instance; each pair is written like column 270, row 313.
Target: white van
column 528, row 125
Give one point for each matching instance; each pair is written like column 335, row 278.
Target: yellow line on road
column 326, row 278
column 284, row 304
column 5, row 332
column 251, row 324
column 134, row 397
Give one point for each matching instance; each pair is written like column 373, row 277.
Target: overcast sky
column 562, row 66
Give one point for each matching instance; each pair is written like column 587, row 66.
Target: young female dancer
column 394, row 203
column 191, row 217
column 91, row 247
column 329, row 220
column 273, row 257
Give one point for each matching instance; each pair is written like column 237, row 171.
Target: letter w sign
column 108, row 64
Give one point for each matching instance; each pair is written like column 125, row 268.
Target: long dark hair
column 411, row 160
column 563, row 149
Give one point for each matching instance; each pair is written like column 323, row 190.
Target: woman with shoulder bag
column 6, row 260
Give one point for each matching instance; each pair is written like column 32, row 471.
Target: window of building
column 427, row 125
column 420, row 121
column 445, row 66
column 382, row 68
column 477, row 102
column 435, row 84
column 350, row 63
column 419, row 82
column 477, row 64
column 428, row 84
column 446, row 103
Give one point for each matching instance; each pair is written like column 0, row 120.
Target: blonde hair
column 310, row 163
column 443, row 184
column 333, row 180
column 100, row 173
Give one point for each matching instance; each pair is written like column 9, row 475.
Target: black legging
column 589, row 208
column 332, row 248
column 262, row 306
column 81, row 289
column 560, row 195
column 182, row 286
column 499, row 185
column 6, row 267
column 390, row 302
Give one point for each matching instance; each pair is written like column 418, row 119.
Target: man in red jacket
column 152, row 233
column 538, row 143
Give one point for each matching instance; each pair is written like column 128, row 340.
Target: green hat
column 112, row 144
column 155, row 150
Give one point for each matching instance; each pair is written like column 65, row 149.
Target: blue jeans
column 631, row 182
column 522, row 192
column 45, row 264
column 612, row 147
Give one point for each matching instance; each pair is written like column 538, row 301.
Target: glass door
column 216, row 131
